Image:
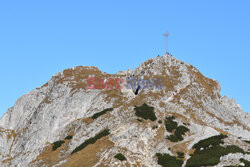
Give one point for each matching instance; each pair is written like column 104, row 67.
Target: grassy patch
column 91, row 140
column 146, row 112
column 96, row 115
column 211, row 152
column 167, row 160
column 120, row 157
column 57, row 144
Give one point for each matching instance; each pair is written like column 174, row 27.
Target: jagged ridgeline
column 162, row 113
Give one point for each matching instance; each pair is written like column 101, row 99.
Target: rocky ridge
column 63, row 109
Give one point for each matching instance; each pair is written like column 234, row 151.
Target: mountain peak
column 83, row 116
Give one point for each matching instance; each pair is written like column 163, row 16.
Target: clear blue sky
column 41, row 38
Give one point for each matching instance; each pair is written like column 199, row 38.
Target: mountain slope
column 54, row 125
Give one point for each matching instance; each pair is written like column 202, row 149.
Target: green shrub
column 145, row 112
column 234, row 149
column 69, row 137
column 180, row 130
column 211, row 156
column 140, row 120
column 120, row 157
column 247, row 141
column 57, row 144
column 155, row 127
column 167, row 160
column 177, row 136
column 247, row 163
column 180, row 154
column 211, row 153
column 211, row 141
column 173, row 138
column 91, row 140
column 170, row 125
column 96, row 115
column 160, row 121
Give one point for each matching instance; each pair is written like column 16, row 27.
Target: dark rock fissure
column 137, row 90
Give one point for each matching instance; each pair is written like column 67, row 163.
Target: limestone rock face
column 63, row 109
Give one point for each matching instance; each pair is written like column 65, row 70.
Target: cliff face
column 63, row 123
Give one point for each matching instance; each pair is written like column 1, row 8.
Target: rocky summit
column 163, row 113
